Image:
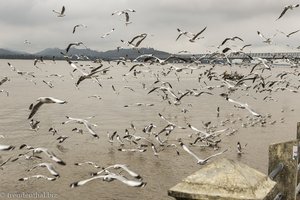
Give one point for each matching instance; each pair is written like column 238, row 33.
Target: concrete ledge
column 225, row 179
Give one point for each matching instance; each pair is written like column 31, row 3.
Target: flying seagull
column 197, row 35
column 244, row 106
column 110, row 177
column 78, row 25
column 49, row 154
column 232, row 38
column 61, row 13
column 186, row 33
column 41, row 101
column 49, row 166
column 266, row 40
column 87, row 124
column 76, row 44
column 126, row 13
column 200, row 161
column 286, row 8
column 288, row 35
column 108, row 33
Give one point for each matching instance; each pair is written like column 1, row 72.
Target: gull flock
column 228, row 87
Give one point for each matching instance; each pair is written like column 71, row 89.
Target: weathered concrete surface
column 287, row 178
column 225, row 179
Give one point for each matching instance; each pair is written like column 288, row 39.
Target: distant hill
column 5, row 53
column 111, row 54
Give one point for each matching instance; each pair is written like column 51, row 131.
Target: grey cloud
column 35, row 21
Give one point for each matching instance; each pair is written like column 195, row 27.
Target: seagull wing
column 124, row 180
column 189, row 151
column 283, row 12
column 236, row 37
column 88, row 126
column 194, row 38
column 139, row 42
column 126, row 16
column 63, row 10
column 80, row 183
column 124, row 167
column 179, row 36
column 224, row 41
column 292, row 33
column 35, row 109
column 214, row 155
column 74, row 28
column 69, row 46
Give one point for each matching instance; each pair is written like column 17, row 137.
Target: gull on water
column 38, row 177
column 41, row 101
column 89, row 163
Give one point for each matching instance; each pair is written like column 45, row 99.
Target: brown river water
column 159, row 172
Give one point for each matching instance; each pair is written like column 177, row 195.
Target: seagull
column 110, row 177
column 61, row 13
column 244, row 106
column 38, row 177
column 95, row 96
column 41, row 101
column 186, row 33
column 288, row 35
column 49, row 166
column 232, row 38
column 48, row 83
column 266, row 40
column 6, row 147
column 7, row 93
column 130, row 172
column 200, row 161
column 125, row 12
column 85, row 75
column 49, row 154
column 62, row 138
column 78, row 25
column 286, row 8
column 141, row 37
column 27, row 42
column 108, row 33
column 87, row 124
column 4, row 80
column 89, row 163
column 239, row 148
column 74, row 43
column 34, row 124
column 260, row 61
column 197, row 35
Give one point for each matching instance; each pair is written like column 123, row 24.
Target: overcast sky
column 34, row 20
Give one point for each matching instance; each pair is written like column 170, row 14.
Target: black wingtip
column 73, row 185
column 61, row 162
column 21, row 179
